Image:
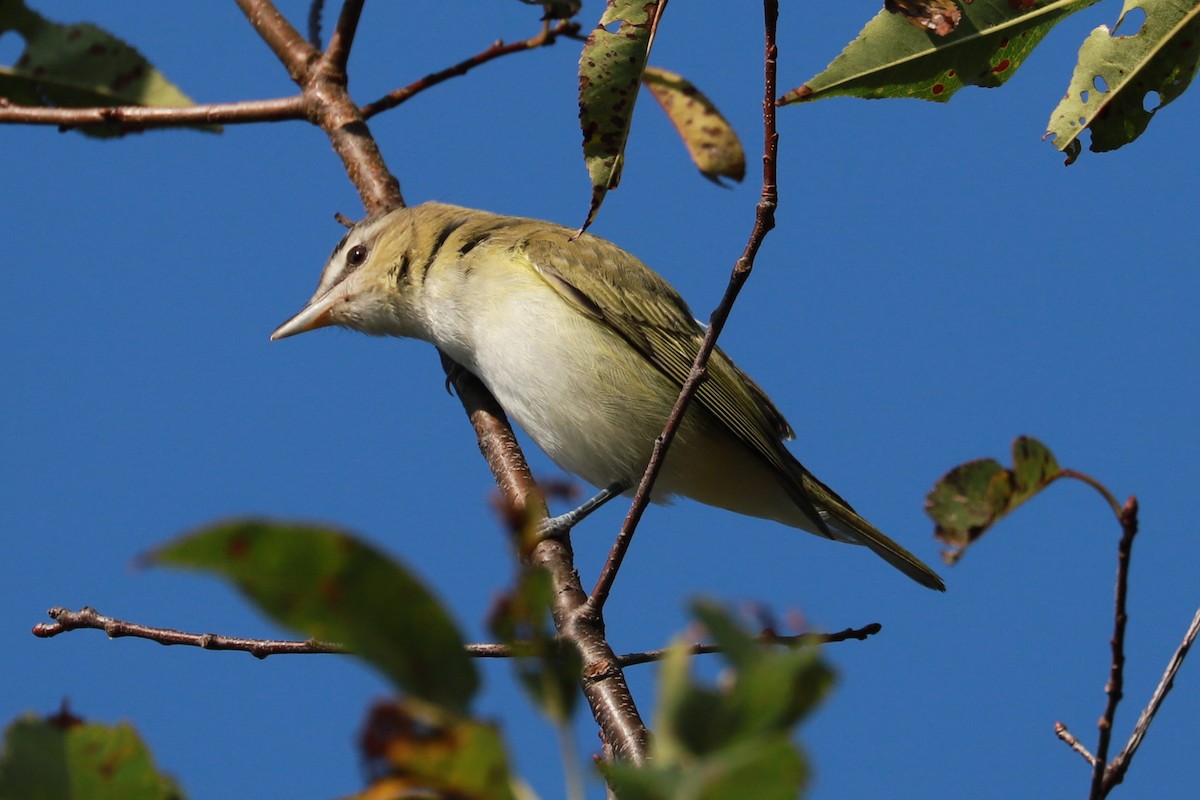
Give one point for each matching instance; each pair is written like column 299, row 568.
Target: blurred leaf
column 557, row 9
column 610, row 70
column 418, row 751
column 972, row 497
column 80, row 66
column 939, row 16
column 891, row 58
column 733, row 740
column 1114, row 75
column 548, row 668
column 333, row 587
column 710, row 141
column 64, row 758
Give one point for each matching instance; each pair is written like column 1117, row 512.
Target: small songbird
column 586, row 348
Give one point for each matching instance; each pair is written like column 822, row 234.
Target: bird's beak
column 317, row 314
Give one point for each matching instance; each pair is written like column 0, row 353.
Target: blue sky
column 939, row 283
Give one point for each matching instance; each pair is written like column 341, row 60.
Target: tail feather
column 846, row 525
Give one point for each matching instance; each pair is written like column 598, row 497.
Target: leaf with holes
column 610, row 72
column 891, row 58
column 80, row 66
column 336, row 588
column 1117, row 74
column 711, row 142
column 972, row 497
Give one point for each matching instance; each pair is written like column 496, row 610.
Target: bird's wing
column 655, row 321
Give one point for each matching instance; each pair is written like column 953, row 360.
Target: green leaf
column 972, row 497
column 1114, row 75
column 80, row 66
column 333, row 587
column 891, row 58
column 417, row 751
column 610, row 70
column 733, row 740
column 711, row 142
column 64, row 758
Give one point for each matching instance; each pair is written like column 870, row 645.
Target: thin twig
column 1116, row 770
column 133, row 118
column 1116, row 676
column 766, row 638
column 315, row 11
column 1060, row 730
column 88, row 618
column 764, row 221
column 328, row 103
column 1098, row 486
column 498, row 48
column 338, row 52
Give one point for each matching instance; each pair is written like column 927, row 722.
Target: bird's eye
column 356, row 256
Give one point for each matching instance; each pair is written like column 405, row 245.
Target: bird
column 586, row 348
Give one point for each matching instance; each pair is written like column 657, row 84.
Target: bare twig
column 1098, row 486
column 88, row 618
column 338, row 52
column 498, row 48
column 289, row 46
column 316, row 10
column 764, row 221
column 1116, row 676
column 766, row 638
column 1060, row 730
column 142, row 117
column 1116, row 770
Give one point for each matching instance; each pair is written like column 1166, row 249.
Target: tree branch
column 1116, row 676
column 1060, row 730
column 765, row 638
column 296, row 54
column 1116, row 770
column 142, row 117
column 498, row 48
column 338, row 52
column 764, row 221
column 604, row 684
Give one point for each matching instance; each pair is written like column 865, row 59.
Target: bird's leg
column 557, row 526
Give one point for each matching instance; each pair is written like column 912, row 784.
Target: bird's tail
column 845, row 524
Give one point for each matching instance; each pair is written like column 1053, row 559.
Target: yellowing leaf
column 79, row 66
column 610, row 70
column 711, row 142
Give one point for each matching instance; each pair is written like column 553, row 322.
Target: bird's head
column 364, row 284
